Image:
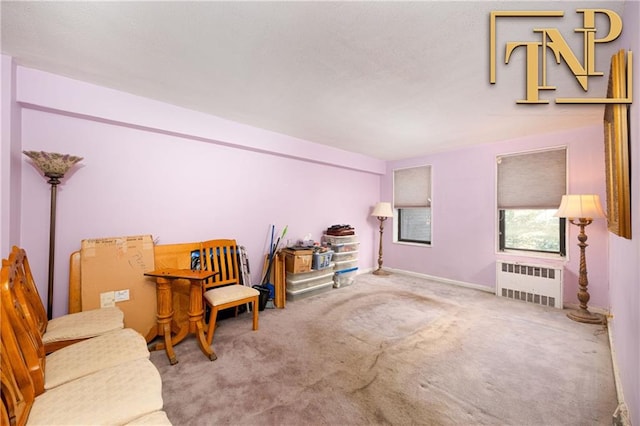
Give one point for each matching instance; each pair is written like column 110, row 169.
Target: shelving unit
column 345, row 257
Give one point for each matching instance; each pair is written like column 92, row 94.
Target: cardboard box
column 111, row 266
column 297, row 261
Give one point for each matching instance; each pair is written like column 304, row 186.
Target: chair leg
column 212, row 324
column 255, row 313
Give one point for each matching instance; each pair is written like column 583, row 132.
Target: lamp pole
column 54, row 180
column 54, row 166
column 380, row 271
column 583, row 314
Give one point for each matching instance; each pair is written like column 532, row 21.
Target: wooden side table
column 164, row 278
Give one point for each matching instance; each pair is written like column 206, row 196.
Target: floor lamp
column 54, row 166
column 382, row 211
column 581, row 210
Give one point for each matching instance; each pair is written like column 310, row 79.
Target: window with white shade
column 412, row 201
column 530, row 188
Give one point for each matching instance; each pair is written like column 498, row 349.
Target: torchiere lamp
column 382, row 211
column 54, row 166
column 581, row 210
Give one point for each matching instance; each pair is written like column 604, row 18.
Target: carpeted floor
column 395, row 350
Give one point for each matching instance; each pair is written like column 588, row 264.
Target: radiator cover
column 537, row 284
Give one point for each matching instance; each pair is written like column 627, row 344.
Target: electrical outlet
column 121, row 295
column 107, row 299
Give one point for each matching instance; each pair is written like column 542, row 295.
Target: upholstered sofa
column 106, row 379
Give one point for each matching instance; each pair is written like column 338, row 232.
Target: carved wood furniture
column 173, row 256
column 164, row 278
column 103, row 380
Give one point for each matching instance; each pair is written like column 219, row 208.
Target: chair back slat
column 14, row 314
column 18, row 390
column 222, row 256
column 35, row 311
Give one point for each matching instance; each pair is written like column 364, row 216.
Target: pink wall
column 624, row 255
column 10, row 161
column 145, row 180
column 464, row 213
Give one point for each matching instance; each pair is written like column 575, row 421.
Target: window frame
column 562, row 231
column 562, row 237
column 397, row 234
column 399, row 237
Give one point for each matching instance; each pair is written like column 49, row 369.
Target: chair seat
column 134, row 387
column 223, row 295
column 92, row 355
column 83, row 325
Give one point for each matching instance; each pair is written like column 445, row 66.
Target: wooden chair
column 18, row 392
column 224, row 290
column 113, row 395
column 67, row 329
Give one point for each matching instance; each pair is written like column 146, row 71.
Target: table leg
column 196, row 314
column 165, row 315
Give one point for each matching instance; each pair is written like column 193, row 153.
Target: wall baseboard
column 442, row 280
column 620, row 416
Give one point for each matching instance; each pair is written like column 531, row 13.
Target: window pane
column 415, row 225
column 535, row 230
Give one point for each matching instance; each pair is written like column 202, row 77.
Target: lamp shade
column 382, row 210
column 580, row 206
column 52, row 163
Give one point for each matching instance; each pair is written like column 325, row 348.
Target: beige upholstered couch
column 107, row 379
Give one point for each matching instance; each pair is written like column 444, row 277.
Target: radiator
column 537, row 284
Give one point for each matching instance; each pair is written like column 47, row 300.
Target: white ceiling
column 387, row 79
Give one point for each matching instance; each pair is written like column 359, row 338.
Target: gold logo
column 552, row 39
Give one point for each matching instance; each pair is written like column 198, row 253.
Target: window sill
column 533, row 255
column 408, row 243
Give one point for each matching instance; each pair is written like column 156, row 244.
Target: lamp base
column 381, row 272
column 583, row 315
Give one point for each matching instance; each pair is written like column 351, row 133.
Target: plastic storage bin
column 297, row 282
column 344, row 278
column 347, row 264
column 345, row 255
column 293, row 295
column 334, row 239
column 322, row 260
column 343, row 247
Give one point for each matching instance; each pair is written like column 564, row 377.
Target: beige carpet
column 396, row 350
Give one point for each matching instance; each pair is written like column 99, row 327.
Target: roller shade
column 535, row 180
column 412, row 187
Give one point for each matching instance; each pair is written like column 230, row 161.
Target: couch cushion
column 89, row 356
column 157, row 418
column 82, row 325
column 111, row 396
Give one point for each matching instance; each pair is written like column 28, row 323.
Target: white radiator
column 531, row 283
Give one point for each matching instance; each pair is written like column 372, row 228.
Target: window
column 532, row 230
column 412, row 200
column 414, row 225
column 530, row 187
